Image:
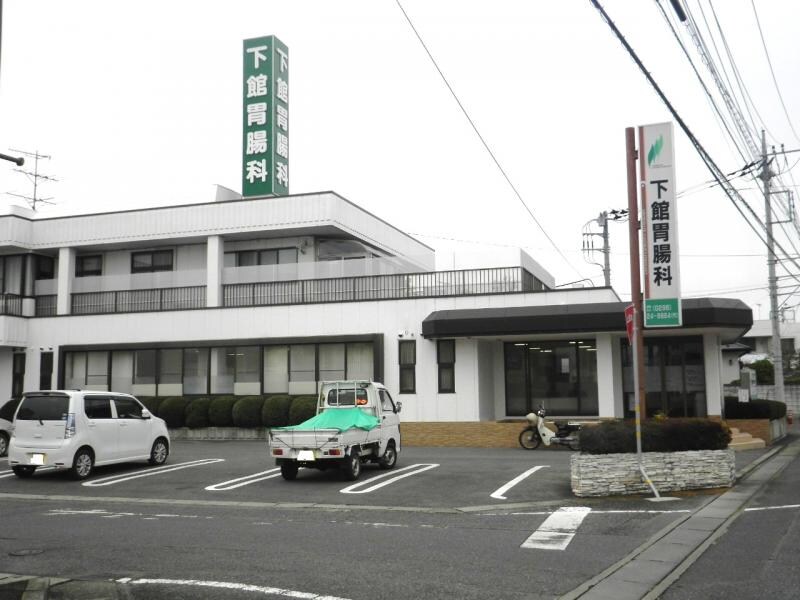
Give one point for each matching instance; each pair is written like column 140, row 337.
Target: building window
column 408, row 361
column 248, row 364
column 151, row 261
column 46, row 371
column 170, row 366
column 195, row 370
column 446, row 359
column 87, row 266
column 45, row 267
column 561, row 376
column 253, row 258
column 302, row 363
column 144, row 367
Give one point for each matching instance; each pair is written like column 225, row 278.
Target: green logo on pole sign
column 655, row 150
column 662, row 312
column 265, row 133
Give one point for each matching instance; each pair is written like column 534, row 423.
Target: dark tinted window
column 97, row 407
column 7, row 411
column 128, row 408
column 45, row 408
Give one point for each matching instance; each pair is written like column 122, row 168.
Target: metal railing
column 124, row 301
column 46, row 306
column 11, row 304
column 504, row 280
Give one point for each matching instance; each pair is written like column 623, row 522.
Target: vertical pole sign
column 265, row 143
column 662, row 288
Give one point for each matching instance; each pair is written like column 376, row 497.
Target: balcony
column 11, row 305
column 126, row 301
column 475, row 282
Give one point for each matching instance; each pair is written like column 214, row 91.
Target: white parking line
column 247, row 480
column 499, row 492
column 558, row 529
column 225, row 585
column 113, row 479
column 419, row 468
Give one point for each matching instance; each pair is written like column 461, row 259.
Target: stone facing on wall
column 618, row 474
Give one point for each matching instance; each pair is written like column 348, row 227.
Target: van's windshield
column 43, row 408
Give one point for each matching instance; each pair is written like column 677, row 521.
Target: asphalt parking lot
column 469, row 523
column 424, row 478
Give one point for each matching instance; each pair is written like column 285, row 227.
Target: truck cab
column 356, row 422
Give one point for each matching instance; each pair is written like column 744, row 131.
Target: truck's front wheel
column 389, row 458
column 352, row 466
column 289, row 471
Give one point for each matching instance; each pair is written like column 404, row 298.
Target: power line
column 483, row 141
column 772, row 71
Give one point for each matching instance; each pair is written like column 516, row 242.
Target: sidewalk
column 650, row 569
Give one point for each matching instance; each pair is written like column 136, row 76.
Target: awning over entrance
column 714, row 313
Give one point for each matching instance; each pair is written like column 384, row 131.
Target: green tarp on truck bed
column 340, row 419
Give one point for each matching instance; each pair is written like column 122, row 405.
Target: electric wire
column 772, row 71
column 730, row 191
column 483, row 141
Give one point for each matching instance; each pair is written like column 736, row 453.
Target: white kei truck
column 356, row 422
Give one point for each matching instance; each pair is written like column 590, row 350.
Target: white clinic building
column 275, row 294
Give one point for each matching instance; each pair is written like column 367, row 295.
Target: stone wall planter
column 218, row 433
column 618, row 474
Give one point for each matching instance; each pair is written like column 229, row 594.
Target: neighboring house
column 759, row 339
column 274, row 295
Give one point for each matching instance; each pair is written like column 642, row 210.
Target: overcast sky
column 139, row 105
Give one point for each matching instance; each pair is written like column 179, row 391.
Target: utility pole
column 34, row 176
column 777, row 352
column 588, row 244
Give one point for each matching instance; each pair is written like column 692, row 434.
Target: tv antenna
column 35, row 177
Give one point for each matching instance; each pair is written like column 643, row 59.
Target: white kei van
column 77, row 430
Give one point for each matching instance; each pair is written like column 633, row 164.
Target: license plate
column 37, row 459
column 305, row 455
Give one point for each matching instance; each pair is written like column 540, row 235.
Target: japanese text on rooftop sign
column 662, row 290
column 265, row 162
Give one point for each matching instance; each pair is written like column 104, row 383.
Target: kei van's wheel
column 159, row 452
column 529, row 438
column 352, row 466
column 289, row 471
column 3, row 443
column 82, row 464
column 23, row 471
column 389, row 458
column 575, row 444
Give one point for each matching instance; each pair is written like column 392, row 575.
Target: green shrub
column 173, row 411
column 8, row 409
column 151, row 403
column 668, row 435
column 220, row 411
column 302, row 409
column 755, row 409
column 247, row 411
column 275, row 412
column 197, row 413
column 765, row 371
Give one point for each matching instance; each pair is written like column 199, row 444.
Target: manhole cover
column 25, row 552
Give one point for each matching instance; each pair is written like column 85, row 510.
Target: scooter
column 536, row 432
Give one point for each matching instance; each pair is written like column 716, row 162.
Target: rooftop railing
column 504, row 280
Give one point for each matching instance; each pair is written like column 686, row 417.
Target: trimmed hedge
column 755, row 409
column 275, row 412
column 247, row 411
column 173, row 411
column 151, row 403
column 302, row 409
column 220, row 411
column 197, row 413
column 669, row 435
column 8, row 409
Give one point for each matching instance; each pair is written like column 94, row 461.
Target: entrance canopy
column 731, row 318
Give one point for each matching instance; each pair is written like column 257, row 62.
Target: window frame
column 407, row 367
column 153, row 268
column 442, row 366
column 80, row 271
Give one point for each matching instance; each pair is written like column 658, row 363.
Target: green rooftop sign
column 265, row 143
